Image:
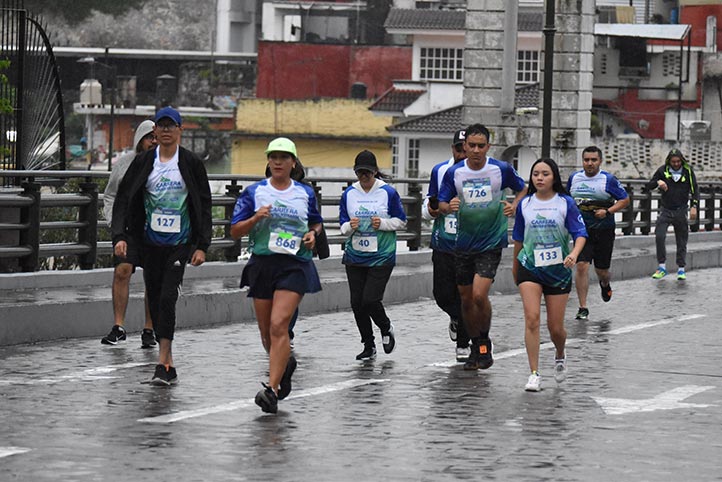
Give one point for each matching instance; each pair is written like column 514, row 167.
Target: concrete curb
column 54, row 305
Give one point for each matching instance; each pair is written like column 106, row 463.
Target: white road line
column 226, row 407
column 576, row 341
column 98, row 373
column 7, row 451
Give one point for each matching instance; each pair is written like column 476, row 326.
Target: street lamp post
column 110, row 79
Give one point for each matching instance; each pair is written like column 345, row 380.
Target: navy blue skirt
column 266, row 274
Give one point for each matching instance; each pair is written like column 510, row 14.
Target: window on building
column 527, row 66
column 441, row 64
column 412, row 169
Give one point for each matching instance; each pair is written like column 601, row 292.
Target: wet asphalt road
column 642, row 401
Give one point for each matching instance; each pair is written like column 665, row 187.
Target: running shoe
column 147, row 339
column 369, row 353
column 582, row 314
column 116, row 335
column 453, row 328
column 267, row 399
column 462, row 354
column 388, row 340
column 606, row 292
column 164, row 377
column 560, row 369
column 285, row 387
column 534, row 383
column 681, row 275
column 660, row 273
column 480, row 356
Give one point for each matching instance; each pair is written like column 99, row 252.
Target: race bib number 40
column 165, row 223
column 367, row 243
column 547, row 255
column 284, row 243
column 477, row 191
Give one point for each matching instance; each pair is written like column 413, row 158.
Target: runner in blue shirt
column 280, row 217
column 598, row 195
column 370, row 213
column 474, row 190
column 545, row 221
column 443, row 241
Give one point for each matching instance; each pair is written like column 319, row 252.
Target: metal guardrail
column 22, row 214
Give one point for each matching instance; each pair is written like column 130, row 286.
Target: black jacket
column 679, row 192
column 129, row 209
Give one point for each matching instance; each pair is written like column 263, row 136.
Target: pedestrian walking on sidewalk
column 678, row 185
column 124, row 267
column 370, row 213
column 443, row 242
column 163, row 209
column 545, row 220
column 474, row 190
column 281, row 219
column 599, row 195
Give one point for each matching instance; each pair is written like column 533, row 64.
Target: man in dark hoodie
column 677, row 183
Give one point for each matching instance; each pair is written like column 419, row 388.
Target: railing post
column 414, row 222
column 89, row 234
column 694, row 225
column 232, row 190
column 31, row 237
column 645, row 212
column 628, row 214
column 709, row 210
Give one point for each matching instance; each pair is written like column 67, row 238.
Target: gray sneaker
column 582, row 314
column 560, row 369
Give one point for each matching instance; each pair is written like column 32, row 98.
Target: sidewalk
column 75, row 304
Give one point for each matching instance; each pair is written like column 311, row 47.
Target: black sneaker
column 369, row 353
column 582, row 314
column 606, row 292
column 453, row 328
column 116, row 335
column 480, row 356
column 389, row 340
column 267, row 399
column 285, row 387
column 147, row 339
column 163, row 377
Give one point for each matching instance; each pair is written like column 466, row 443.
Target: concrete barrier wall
column 54, row 305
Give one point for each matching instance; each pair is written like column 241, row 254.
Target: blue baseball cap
column 170, row 113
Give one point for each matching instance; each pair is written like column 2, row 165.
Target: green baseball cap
column 282, row 144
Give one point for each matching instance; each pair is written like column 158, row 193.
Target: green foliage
column 75, row 11
column 596, row 126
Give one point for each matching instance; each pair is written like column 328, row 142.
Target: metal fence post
column 414, row 220
column 709, row 210
column 89, row 234
column 645, row 212
column 30, row 215
column 232, row 190
column 628, row 214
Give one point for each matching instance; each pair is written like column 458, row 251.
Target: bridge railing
column 21, row 221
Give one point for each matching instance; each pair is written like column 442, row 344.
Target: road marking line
column 7, row 451
column 668, row 400
column 98, row 373
column 226, row 407
column 578, row 341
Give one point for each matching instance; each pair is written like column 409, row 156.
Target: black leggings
column 163, row 269
column 367, row 286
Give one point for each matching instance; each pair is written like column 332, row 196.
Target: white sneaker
column 534, row 383
column 560, row 369
column 462, row 354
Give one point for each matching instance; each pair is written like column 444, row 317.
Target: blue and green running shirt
column 443, row 232
column 293, row 210
column 597, row 192
column 544, row 229
column 481, row 224
column 166, row 205
column 367, row 246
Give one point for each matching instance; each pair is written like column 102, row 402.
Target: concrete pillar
column 484, row 62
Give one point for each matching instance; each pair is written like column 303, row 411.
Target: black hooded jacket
column 678, row 192
column 129, row 210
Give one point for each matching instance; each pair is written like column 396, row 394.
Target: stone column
column 484, row 60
